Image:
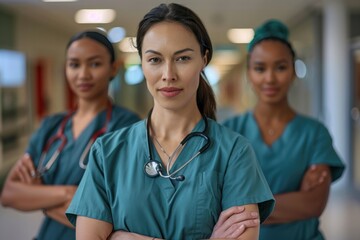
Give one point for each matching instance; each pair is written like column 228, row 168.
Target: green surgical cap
column 270, row 29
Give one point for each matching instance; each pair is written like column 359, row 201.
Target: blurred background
column 325, row 35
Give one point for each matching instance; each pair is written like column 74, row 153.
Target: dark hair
column 180, row 14
column 96, row 36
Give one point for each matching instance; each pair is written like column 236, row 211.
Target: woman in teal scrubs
column 38, row 183
column 150, row 181
column 295, row 152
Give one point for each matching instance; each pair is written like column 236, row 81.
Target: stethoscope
column 153, row 168
column 60, row 136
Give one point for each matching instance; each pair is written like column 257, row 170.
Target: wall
column 39, row 42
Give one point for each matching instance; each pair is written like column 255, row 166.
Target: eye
column 183, row 59
column 95, row 64
column 154, row 60
column 282, row 67
column 259, row 69
column 73, row 64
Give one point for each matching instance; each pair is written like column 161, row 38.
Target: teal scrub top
column 304, row 142
column 116, row 189
column 66, row 169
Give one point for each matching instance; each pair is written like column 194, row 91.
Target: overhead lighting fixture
column 116, row 34
column 59, row 0
column 300, row 68
column 134, row 75
column 95, row 16
column 212, row 75
column 240, row 35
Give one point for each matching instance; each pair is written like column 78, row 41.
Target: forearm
column 123, row 235
column 27, row 197
column 90, row 228
column 58, row 214
column 295, row 206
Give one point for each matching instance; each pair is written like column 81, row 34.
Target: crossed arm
column 308, row 202
column 240, row 222
column 25, row 193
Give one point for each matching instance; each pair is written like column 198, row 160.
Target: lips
column 270, row 91
column 84, row 86
column 170, row 91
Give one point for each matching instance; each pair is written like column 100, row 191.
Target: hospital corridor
column 316, row 78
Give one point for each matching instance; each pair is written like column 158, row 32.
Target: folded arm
column 89, row 228
column 239, row 222
column 308, row 202
column 26, row 193
column 58, row 214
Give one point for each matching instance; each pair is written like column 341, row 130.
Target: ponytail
column 205, row 99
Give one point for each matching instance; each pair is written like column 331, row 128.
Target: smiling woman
column 294, row 151
column 46, row 176
column 211, row 185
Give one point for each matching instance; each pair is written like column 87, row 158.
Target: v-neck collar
column 87, row 131
column 277, row 140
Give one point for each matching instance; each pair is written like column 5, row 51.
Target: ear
column 205, row 58
column 115, row 66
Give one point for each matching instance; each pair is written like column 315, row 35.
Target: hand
column 313, row 177
column 24, row 171
column 233, row 222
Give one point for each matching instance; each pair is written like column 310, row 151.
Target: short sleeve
column 90, row 199
column 245, row 182
column 324, row 153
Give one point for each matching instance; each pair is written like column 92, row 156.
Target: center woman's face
column 172, row 62
column 271, row 71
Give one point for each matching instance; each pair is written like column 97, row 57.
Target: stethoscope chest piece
column 152, row 168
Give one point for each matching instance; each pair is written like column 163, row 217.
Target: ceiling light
column 300, row 68
column 134, row 75
column 212, row 75
column 116, row 34
column 95, row 16
column 240, row 35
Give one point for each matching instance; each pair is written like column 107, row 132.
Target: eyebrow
column 176, row 53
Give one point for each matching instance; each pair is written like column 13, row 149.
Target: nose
column 169, row 72
column 270, row 76
column 84, row 72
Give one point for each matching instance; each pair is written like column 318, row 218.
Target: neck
column 88, row 107
column 169, row 125
column 270, row 112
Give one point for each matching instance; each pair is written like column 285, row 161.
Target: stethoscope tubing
column 41, row 169
column 153, row 168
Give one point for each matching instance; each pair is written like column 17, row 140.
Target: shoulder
column 237, row 121
column 121, row 140
column 226, row 137
column 122, row 112
column 128, row 134
column 310, row 124
column 52, row 121
column 122, row 117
